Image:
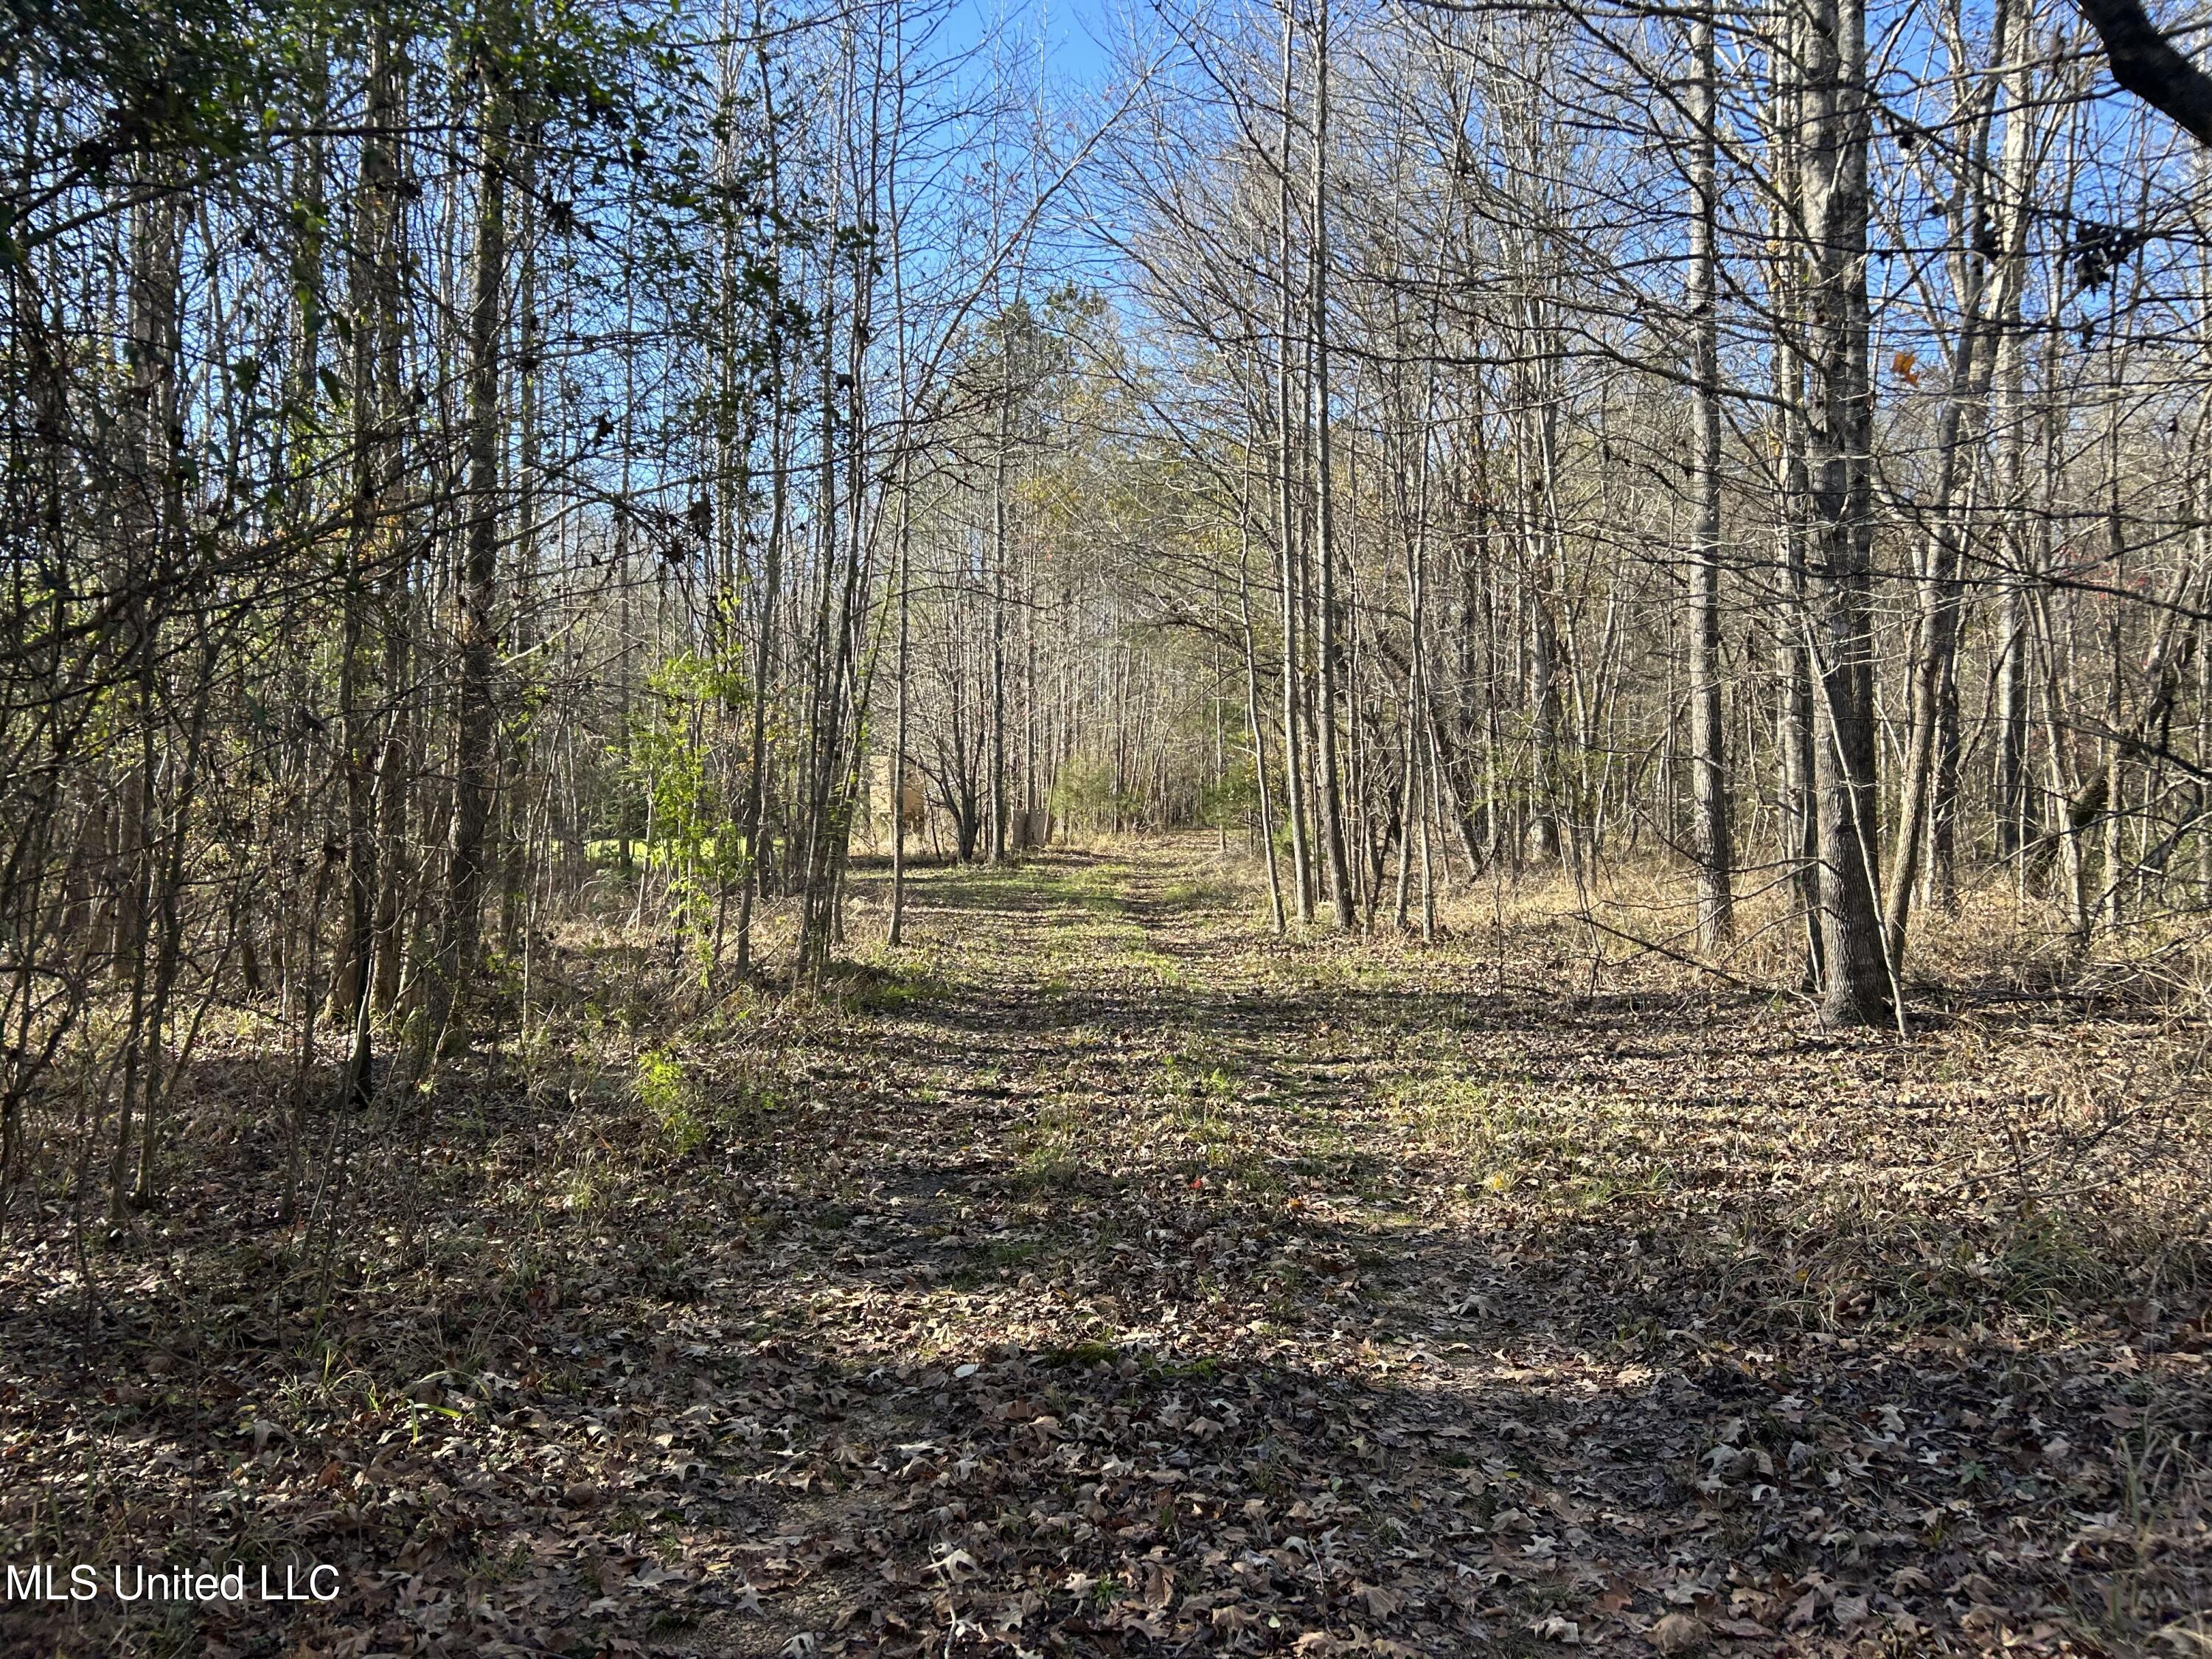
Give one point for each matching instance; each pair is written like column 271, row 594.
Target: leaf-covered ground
column 1099, row 1275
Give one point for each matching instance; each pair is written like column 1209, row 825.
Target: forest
column 1316, row 827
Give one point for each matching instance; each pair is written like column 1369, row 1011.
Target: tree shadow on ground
column 1218, row 1298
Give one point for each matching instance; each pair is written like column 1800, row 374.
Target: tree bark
column 1715, row 849
column 1294, row 746
column 475, row 760
column 1839, row 431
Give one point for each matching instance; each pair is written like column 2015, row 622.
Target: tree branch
column 2147, row 63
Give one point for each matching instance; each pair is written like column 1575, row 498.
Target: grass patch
column 1577, row 1156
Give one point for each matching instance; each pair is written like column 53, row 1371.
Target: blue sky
column 1072, row 29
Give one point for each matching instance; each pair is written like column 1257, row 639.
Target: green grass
column 1560, row 1152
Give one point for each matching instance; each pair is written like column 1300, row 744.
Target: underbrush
column 1997, row 946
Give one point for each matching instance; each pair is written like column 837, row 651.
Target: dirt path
column 1118, row 1278
column 1315, row 1295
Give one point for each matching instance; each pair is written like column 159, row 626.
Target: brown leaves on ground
column 1102, row 1277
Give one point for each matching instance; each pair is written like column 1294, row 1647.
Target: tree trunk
column 1839, row 431
column 999, row 509
column 1294, row 746
column 475, row 758
column 1716, row 850
column 1325, row 647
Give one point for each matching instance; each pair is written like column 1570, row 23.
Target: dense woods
column 460, row 465
column 491, row 481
